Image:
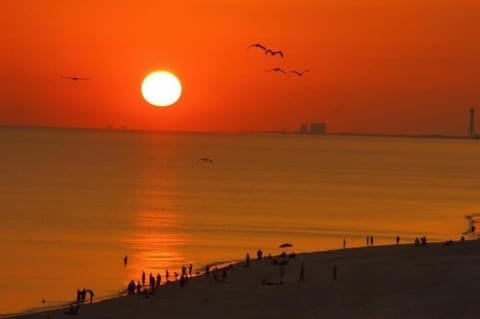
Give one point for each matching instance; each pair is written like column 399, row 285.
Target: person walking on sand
column 344, row 243
column 247, row 260
column 302, row 273
column 125, row 260
column 166, row 275
column 143, row 278
column 398, row 239
column 371, row 240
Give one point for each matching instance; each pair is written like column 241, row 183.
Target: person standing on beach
column 139, row 288
column 125, row 260
column 371, row 240
column 159, row 280
column 259, row 254
column 166, row 275
column 302, row 273
column 344, row 243
column 143, row 278
column 247, row 260
column 398, row 239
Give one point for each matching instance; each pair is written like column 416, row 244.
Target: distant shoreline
column 355, row 134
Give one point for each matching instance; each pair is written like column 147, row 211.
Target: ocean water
column 73, row 203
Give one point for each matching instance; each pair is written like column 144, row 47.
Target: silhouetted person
column 84, row 294
column 139, row 288
column 190, row 270
column 207, row 271
column 417, row 241
column 302, row 273
column 167, row 274
column 184, row 270
column 462, row 238
column 398, row 239
column 344, row 243
column 90, row 291
column 334, row 273
column 424, row 241
column 371, row 240
column 79, row 295
column 143, row 278
column 259, row 254
column 247, row 260
column 159, row 280
column 125, row 260
column 131, row 287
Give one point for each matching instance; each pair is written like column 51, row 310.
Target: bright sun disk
column 161, row 88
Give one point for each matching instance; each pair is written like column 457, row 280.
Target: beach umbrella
column 284, row 245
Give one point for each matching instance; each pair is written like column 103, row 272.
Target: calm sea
column 73, row 203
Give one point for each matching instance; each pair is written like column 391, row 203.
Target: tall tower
column 472, row 122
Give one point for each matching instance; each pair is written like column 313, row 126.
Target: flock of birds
column 259, row 46
column 271, row 52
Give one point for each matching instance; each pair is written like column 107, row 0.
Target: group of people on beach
column 422, row 241
column 155, row 282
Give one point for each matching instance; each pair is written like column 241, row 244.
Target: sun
column 161, row 88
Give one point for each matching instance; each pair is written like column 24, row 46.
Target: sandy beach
column 405, row 281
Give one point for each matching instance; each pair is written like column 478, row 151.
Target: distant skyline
column 392, row 67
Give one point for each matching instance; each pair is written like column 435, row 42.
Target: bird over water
column 74, row 78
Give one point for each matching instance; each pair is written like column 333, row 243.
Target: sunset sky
column 383, row 66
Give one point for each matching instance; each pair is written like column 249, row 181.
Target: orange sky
column 391, row 66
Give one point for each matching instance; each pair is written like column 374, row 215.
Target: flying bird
column 205, row 160
column 74, row 78
column 258, row 45
column 277, row 69
column 271, row 52
column 298, row 72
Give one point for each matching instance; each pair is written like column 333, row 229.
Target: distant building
column 472, row 122
column 303, row 128
column 318, row 128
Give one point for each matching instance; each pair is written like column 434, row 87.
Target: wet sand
column 435, row 281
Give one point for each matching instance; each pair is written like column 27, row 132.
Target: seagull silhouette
column 205, row 160
column 298, row 72
column 258, row 45
column 74, row 78
column 277, row 69
column 271, row 52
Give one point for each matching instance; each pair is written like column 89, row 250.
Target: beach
column 404, row 281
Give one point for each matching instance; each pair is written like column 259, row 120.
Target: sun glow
column 161, row 88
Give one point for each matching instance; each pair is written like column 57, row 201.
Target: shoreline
column 451, row 267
